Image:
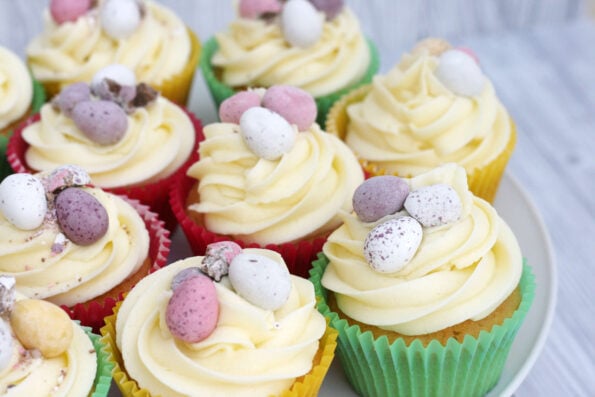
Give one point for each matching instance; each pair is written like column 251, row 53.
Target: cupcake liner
column 92, row 312
column 103, row 376
column 220, row 91
column 298, row 255
column 177, row 88
column 154, row 194
column 374, row 367
column 483, row 181
column 304, row 386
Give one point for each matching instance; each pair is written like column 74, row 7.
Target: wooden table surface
column 540, row 56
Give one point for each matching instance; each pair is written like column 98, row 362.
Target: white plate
column 518, row 211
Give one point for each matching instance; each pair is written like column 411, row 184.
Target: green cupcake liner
column 220, row 91
column 103, row 376
column 37, row 102
column 374, row 367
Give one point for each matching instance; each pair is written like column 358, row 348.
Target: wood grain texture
column 540, row 56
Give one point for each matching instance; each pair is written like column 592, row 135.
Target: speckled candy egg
column 392, row 244
column 81, row 216
column 301, row 23
column 41, row 325
column 71, row 95
column 22, row 201
column 331, row 8
column 184, row 275
column 6, row 344
column 66, row 176
column 293, row 104
column 120, row 18
column 218, row 257
column 379, row 196
column 460, row 73
column 260, row 280
column 232, row 108
column 266, row 133
column 69, row 10
column 255, row 8
column 103, row 122
column 434, row 205
column 193, row 310
column 116, row 72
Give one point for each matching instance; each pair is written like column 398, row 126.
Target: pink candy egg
column 232, row 108
column 103, row 122
column 255, row 8
column 66, row 176
column 294, row 104
column 82, row 218
column 69, row 10
column 379, row 196
column 193, row 310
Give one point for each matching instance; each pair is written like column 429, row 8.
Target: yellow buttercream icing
column 16, row 89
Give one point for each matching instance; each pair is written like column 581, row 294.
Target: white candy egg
column 22, row 201
column 6, row 344
column 392, row 244
column 434, row 205
column 460, row 73
column 116, row 72
column 266, row 133
column 301, row 23
column 260, row 280
column 120, row 18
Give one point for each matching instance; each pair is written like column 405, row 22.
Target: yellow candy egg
column 41, row 325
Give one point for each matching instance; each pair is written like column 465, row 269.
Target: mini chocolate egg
column 253, row 9
column 392, row 244
column 119, row 73
column 120, row 18
column 292, row 103
column 41, row 325
column 81, row 216
column 301, row 23
column 460, row 73
column 66, row 176
column 6, row 344
column 260, row 280
column 266, row 133
column 69, row 10
column 184, row 275
column 434, row 205
column 22, row 201
column 232, row 108
column 331, row 8
column 71, row 95
column 379, row 196
column 193, row 310
column 103, row 122
column 218, row 257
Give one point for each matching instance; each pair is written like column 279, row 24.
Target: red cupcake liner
column 93, row 312
column 154, row 194
column 298, row 255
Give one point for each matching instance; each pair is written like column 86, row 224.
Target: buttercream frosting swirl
column 70, row 374
column 74, row 51
column 16, row 89
column 159, row 139
column 254, row 53
column 410, row 122
column 273, row 201
column 461, row 271
column 74, row 273
column 252, row 352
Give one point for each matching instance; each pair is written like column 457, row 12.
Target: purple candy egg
column 71, row 96
column 184, row 275
column 331, row 8
column 103, row 122
column 379, row 196
column 82, row 218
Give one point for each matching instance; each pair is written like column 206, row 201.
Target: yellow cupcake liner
column 376, row 368
column 483, row 181
column 305, row 386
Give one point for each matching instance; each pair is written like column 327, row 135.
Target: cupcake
column 425, row 284
column 19, row 98
column 43, row 352
column 314, row 45
column 267, row 176
column 75, row 245
column 129, row 138
column 435, row 106
column 80, row 38
column 234, row 322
